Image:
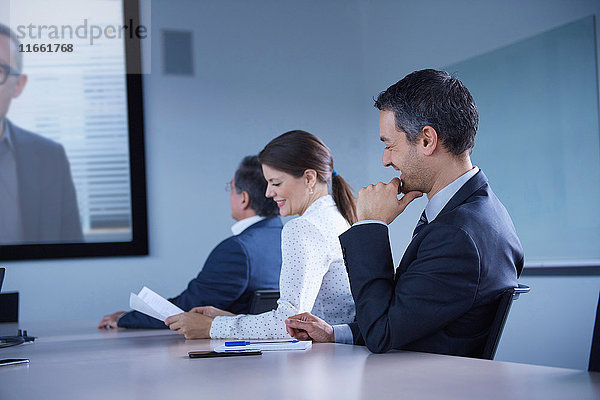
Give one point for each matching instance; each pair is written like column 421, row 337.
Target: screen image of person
column 300, row 177
column 464, row 253
column 249, row 260
column 38, row 203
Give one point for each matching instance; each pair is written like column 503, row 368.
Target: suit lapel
column 28, row 165
column 466, row 191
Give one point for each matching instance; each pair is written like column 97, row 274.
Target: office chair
column 506, row 299
column 594, row 365
column 264, row 300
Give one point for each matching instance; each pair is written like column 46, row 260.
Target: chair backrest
column 264, row 300
column 509, row 295
column 9, row 307
column 595, row 352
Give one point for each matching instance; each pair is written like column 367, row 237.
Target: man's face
column 402, row 155
column 235, row 202
column 14, row 85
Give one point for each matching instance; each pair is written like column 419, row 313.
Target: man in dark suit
column 249, row 260
column 38, row 203
column 464, row 252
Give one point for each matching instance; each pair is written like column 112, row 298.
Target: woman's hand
column 190, row 324
column 211, row 311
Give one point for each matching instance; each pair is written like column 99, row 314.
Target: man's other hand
column 110, row 321
column 306, row 326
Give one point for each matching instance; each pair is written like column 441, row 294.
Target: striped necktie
column 422, row 222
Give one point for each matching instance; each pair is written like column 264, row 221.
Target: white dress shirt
column 313, row 277
column 241, row 225
column 435, row 205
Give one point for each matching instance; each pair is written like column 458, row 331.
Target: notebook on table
column 262, row 345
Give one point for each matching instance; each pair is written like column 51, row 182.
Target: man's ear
column 20, row 85
column 428, row 140
column 310, row 177
column 245, row 200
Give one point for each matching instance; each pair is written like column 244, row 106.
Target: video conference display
column 67, row 128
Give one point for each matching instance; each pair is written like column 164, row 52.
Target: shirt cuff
column 343, row 334
column 219, row 328
column 369, row 221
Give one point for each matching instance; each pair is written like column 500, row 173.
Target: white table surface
column 74, row 360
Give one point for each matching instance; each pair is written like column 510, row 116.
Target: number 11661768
column 46, row 48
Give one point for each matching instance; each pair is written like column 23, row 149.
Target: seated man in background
column 249, row 260
column 464, row 252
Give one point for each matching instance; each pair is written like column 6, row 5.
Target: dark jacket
column 443, row 296
column 48, row 201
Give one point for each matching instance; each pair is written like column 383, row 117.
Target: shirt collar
column 320, row 203
column 6, row 136
column 437, row 203
column 241, row 225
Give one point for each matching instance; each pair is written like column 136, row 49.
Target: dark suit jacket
column 49, row 211
column 236, row 268
column 443, row 296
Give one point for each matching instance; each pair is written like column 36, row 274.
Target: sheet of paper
column 152, row 304
column 256, row 345
column 139, row 305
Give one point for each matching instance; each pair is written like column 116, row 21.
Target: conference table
column 74, row 360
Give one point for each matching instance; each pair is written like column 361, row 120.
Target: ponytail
column 343, row 197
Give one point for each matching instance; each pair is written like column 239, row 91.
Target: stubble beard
column 414, row 177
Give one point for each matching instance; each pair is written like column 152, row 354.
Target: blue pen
column 246, row 343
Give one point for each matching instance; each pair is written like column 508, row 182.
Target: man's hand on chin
column 380, row 201
column 190, row 324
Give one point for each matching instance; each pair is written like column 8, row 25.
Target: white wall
column 264, row 67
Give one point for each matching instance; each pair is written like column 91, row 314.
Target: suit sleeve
column 356, row 335
column 70, row 229
column 221, row 282
column 137, row 320
column 438, row 286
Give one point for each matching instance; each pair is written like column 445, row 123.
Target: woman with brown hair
column 300, row 176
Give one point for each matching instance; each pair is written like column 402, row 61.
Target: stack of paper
column 284, row 345
column 152, row 304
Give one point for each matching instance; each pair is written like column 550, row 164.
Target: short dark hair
column 6, row 31
column 249, row 178
column 434, row 98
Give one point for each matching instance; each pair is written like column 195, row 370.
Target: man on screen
column 464, row 252
column 249, row 260
column 38, row 203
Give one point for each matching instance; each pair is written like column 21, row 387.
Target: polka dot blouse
column 313, row 277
